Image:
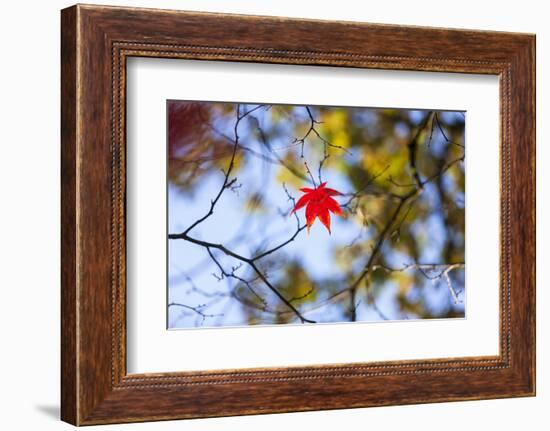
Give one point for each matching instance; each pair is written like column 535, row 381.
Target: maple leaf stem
column 309, row 172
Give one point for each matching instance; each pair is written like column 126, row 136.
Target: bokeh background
column 397, row 254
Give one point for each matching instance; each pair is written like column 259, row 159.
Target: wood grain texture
column 68, row 218
column 96, row 41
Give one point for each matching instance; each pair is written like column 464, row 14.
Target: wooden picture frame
column 95, row 43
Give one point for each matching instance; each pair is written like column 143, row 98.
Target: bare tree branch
column 356, row 196
column 413, row 150
column 443, row 268
column 198, row 309
column 227, row 183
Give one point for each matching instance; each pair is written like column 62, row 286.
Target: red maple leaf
column 319, row 202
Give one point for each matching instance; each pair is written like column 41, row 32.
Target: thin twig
column 197, row 309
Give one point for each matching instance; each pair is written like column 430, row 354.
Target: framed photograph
column 266, row 215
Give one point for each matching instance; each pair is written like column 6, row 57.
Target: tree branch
column 413, row 149
column 197, row 309
column 281, row 297
column 227, row 183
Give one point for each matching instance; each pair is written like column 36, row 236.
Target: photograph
column 308, row 214
column 305, row 214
